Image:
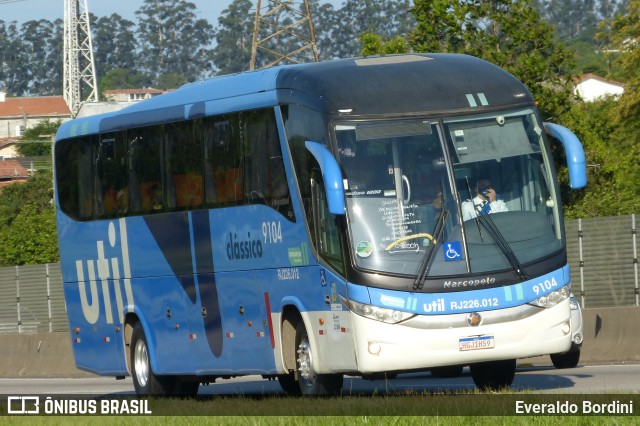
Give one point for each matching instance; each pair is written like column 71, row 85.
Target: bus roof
column 394, row 84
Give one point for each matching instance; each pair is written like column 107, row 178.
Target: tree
column 37, row 39
column 375, row 44
column 624, row 35
column 234, row 35
column 27, row 222
column 42, row 131
column 172, row 40
column 625, row 38
column 356, row 17
column 508, row 33
column 13, row 66
column 114, row 44
column 120, row 78
column 606, row 193
column 610, row 128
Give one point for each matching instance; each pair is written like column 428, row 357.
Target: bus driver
column 486, row 201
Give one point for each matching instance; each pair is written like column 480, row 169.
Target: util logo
column 107, row 272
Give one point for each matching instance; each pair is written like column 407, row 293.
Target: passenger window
column 266, row 181
column 145, row 150
column 74, row 170
column 185, row 182
column 223, row 161
column 112, row 186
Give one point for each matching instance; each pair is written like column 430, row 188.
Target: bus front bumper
column 432, row 341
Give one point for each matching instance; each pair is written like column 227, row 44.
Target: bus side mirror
column 576, row 161
column 331, row 175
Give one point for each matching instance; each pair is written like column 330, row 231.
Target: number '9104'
column 545, row 286
column 272, row 232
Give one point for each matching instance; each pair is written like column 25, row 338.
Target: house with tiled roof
column 19, row 114
column 131, row 95
column 11, row 172
column 590, row 87
column 8, row 148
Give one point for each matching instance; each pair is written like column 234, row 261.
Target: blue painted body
column 205, row 283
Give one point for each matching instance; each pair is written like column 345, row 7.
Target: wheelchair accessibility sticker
column 452, row 250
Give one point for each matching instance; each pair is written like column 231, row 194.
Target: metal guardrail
column 32, row 299
column 602, row 252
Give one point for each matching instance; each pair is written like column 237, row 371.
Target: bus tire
column 311, row 383
column 493, row 375
column 566, row 360
column 288, row 384
column 145, row 381
column 180, row 387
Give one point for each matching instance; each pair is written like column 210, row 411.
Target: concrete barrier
column 38, row 355
column 611, row 335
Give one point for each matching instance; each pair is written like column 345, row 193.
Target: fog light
column 374, row 348
column 577, row 339
column 566, row 328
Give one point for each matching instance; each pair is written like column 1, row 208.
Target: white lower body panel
column 396, row 347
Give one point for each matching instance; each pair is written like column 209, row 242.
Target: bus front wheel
column 493, row 375
column 566, row 360
column 310, row 382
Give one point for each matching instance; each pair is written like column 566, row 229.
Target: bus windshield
column 492, row 185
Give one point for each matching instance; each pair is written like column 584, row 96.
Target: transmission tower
column 79, row 68
column 284, row 32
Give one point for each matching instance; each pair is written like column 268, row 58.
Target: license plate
column 476, row 342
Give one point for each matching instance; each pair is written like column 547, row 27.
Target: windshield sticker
column 364, row 249
column 452, row 251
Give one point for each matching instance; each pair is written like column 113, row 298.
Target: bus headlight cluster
column 389, row 316
column 552, row 299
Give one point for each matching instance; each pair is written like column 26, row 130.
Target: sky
column 26, row 10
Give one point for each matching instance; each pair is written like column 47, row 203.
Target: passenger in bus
column 486, row 201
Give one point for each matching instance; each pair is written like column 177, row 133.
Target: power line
column 9, row 1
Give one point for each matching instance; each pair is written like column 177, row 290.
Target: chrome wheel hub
column 305, row 362
column 141, row 362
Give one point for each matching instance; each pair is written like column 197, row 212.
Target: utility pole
column 80, row 83
column 283, row 33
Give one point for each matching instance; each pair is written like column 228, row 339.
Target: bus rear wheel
column 145, row 381
column 493, row 375
column 310, row 382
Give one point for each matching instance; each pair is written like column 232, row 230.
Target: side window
column 74, row 176
column 266, row 178
column 145, row 151
column 185, row 180
column 111, row 184
column 223, row 161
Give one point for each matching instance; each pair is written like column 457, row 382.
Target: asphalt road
column 593, row 379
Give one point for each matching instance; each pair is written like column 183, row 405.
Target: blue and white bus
column 306, row 222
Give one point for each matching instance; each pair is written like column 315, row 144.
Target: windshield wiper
column 423, row 268
column 497, row 236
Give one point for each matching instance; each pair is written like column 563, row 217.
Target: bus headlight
column 389, row 316
column 552, row 299
column 573, row 302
